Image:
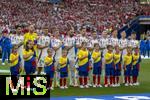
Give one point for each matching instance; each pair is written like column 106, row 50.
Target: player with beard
column 69, row 43
column 81, row 37
column 19, row 39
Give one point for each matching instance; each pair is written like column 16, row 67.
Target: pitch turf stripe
column 4, row 71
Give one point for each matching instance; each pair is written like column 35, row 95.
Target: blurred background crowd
column 94, row 14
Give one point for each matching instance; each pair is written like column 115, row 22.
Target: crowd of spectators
column 94, row 14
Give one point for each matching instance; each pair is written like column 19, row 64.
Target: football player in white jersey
column 94, row 39
column 20, row 39
column 123, row 43
column 43, row 44
column 114, row 38
column 81, row 37
column 56, row 44
column 69, row 44
column 103, row 42
column 134, row 43
column 90, row 46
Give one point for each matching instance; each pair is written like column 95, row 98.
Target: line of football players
column 73, row 47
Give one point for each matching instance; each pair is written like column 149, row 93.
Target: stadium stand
column 97, row 15
column 100, row 14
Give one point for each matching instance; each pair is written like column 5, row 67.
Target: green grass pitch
column 144, row 87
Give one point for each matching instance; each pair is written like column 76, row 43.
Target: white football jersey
column 103, row 42
column 20, row 39
column 123, row 43
column 89, row 43
column 114, row 41
column 134, row 43
column 56, row 43
column 43, row 41
column 71, row 43
column 94, row 41
column 80, row 39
